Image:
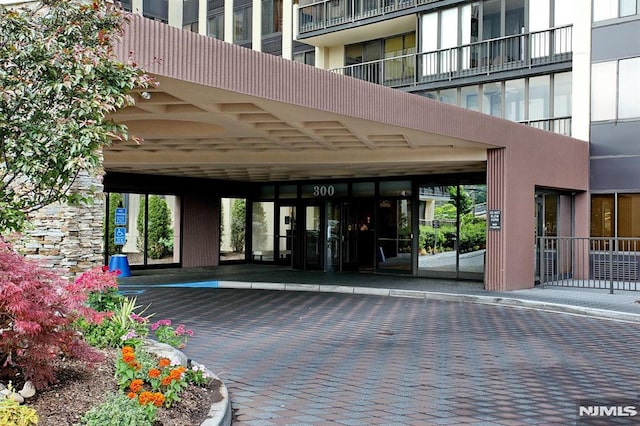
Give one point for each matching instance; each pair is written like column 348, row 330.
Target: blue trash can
column 121, row 263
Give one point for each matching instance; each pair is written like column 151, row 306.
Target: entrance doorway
column 338, row 236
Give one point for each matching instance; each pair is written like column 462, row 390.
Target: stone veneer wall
column 66, row 237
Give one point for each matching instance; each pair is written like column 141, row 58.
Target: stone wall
column 68, row 237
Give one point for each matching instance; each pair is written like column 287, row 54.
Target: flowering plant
column 165, row 333
column 198, row 375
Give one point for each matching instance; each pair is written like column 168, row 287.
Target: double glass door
column 337, row 236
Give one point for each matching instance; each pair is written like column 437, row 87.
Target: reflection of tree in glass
column 259, row 226
column 238, row 225
column 115, row 201
column 159, row 230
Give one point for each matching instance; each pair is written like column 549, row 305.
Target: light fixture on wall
column 145, row 95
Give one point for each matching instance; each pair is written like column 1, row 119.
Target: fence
column 604, row 263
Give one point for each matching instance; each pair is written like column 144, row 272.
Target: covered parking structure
column 226, row 121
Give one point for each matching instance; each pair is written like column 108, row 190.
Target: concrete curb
column 220, row 412
column 430, row 295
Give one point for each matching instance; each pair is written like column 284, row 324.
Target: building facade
column 254, row 158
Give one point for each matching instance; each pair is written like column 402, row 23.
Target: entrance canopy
column 226, row 112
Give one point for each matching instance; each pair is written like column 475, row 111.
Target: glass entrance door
column 287, row 235
column 394, row 236
column 313, row 237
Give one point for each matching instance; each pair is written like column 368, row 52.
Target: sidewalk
column 623, row 305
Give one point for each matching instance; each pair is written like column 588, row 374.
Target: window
column 514, row 100
column 614, row 90
column 271, row 16
column 308, row 57
column 611, row 9
column 628, row 214
column 190, row 15
column 242, row 25
column 562, row 95
column 602, row 215
column 449, row 96
column 628, row 88
column 539, row 97
column 492, row 99
column 216, row 26
column 156, row 9
column 469, row 98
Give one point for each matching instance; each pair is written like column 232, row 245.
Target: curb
column 219, row 412
column 430, row 295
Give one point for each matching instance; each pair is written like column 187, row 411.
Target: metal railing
column 560, row 125
column 604, row 263
column 328, row 13
column 515, row 52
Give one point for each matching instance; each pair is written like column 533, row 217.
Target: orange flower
column 129, row 358
column 176, row 373
column 154, row 373
column 166, row 381
column 158, row 399
column 164, row 362
column 131, row 395
column 127, row 350
column 145, row 398
column 136, row 385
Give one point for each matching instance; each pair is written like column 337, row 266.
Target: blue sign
column 119, row 236
column 121, row 216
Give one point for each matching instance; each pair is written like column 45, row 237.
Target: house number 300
column 323, row 190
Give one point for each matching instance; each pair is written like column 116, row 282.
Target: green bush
column 115, row 201
column 159, row 230
column 118, row 410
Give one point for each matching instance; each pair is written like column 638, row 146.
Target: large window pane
column 562, row 95
column 492, row 99
column 262, row 223
column 627, row 7
column 448, row 39
column 604, row 9
column 628, row 214
column 539, row 14
column 469, row 98
column 438, row 229
column 233, row 228
column 628, row 88
column 603, row 91
column 394, row 235
column 472, row 204
column 602, row 215
column 514, row 100
column 162, row 232
column 271, row 16
column 449, row 96
column 216, row 26
column 539, row 97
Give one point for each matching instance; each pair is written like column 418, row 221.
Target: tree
column 59, row 81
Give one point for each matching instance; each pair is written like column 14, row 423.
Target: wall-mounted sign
column 324, row 190
column 495, row 220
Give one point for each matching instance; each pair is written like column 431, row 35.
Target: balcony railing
column 560, row 125
column 328, row 13
column 515, row 52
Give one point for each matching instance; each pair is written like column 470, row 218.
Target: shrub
column 118, row 410
column 165, row 333
column 238, row 225
column 14, row 414
column 159, row 231
column 122, row 326
column 37, row 314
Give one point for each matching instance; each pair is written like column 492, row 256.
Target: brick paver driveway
column 314, row 358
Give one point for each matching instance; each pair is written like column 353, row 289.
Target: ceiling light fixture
column 145, row 95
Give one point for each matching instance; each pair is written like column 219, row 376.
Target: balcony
column 328, row 13
column 517, row 52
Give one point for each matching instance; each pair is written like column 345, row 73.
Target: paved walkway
column 624, row 305
column 425, row 358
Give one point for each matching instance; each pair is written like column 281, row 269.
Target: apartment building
column 337, row 171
